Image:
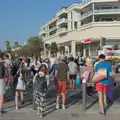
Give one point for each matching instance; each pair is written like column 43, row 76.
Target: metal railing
column 60, row 21
column 117, row 10
column 62, row 30
column 53, row 28
column 107, row 10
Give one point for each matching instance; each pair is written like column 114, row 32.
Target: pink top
column 88, row 72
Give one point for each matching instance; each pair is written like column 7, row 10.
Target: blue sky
column 20, row 19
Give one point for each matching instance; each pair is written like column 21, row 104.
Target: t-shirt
column 104, row 64
column 62, row 69
column 52, row 61
column 72, row 68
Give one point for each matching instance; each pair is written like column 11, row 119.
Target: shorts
column 60, row 87
column 73, row 77
column 101, row 87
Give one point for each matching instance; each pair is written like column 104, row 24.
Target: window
column 71, row 25
column 75, row 25
column 71, row 15
column 106, row 7
column 115, row 7
column 107, row 19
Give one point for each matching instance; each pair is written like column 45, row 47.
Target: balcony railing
column 86, row 14
column 62, row 31
column 43, row 32
column 61, row 21
column 107, row 10
column 61, row 11
column 100, row 11
column 53, row 28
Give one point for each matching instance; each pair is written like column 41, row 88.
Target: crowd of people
column 98, row 74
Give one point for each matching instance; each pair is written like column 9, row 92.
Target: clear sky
column 20, row 19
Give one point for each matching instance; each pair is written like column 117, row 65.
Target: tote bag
column 101, row 74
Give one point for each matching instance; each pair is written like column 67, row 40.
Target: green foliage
column 34, row 46
column 7, row 44
column 54, row 48
column 16, row 44
column 48, row 46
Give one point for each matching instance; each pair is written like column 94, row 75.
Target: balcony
column 62, row 31
column 107, row 11
column 53, row 28
column 86, row 15
column 61, row 21
column 43, row 32
column 62, row 11
column 100, row 11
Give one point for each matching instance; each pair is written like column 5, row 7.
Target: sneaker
column 63, row 107
column 1, row 112
column 17, row 107
column 41, row 115
column 57, row 106
column 38, row 112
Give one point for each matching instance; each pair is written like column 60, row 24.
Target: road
column 74, row 106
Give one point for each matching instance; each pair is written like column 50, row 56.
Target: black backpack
column 2, row 70
column 40, row 84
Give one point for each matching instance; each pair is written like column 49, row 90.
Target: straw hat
column 89, row 62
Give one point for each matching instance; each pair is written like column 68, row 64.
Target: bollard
column 33, row 102
column 84, row 95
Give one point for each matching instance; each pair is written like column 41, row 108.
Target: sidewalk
column 72, row 112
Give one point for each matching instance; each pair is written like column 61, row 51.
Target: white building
column 81, row 26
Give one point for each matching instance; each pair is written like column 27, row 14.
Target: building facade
column 82, row 26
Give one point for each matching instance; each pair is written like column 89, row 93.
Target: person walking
column 52, row 60
column 4, row 80
column 40, row 87
column 20, row 85
column 73, row 69
column 61, row 76
column 111, row 84
column 102, row 85
column 89, row 75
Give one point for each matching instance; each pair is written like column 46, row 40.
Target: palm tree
column 16, row 44
column 7, row 44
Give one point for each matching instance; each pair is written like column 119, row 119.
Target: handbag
column 101, row 74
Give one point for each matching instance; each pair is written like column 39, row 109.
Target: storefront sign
column 86, row 41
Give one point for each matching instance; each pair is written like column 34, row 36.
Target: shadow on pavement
column 93, row 103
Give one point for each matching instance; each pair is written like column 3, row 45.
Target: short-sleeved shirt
column 72, row 68
column 62, row 71
column 104, row 64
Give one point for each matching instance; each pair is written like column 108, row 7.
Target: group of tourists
column 98, row 74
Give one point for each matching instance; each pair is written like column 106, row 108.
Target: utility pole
column 102, row 42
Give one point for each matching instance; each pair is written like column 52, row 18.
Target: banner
column 67, row 51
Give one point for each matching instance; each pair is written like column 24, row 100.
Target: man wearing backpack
column 4, row 78
column 73, row 72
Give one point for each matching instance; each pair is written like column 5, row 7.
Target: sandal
column 103, row 113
